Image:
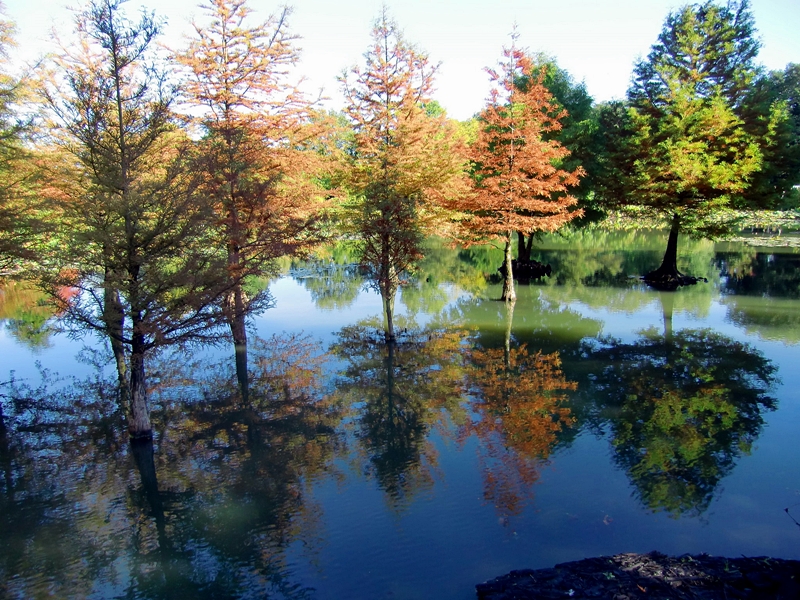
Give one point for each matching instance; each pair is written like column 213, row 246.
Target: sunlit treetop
column 400, row 137
column 237, row 68
column 518, row 182
column 707, row 48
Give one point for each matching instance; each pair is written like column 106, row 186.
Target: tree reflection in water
column 517, row 404
column 398, row 392
column 682, row 408
column 210, row 513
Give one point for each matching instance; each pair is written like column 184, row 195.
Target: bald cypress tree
column 133, row 225
column 404, row 160
column 256, row 125
column 518, row 182
column 694, row 158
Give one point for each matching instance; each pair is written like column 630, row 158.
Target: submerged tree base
column 670, row 279
column 652, row 575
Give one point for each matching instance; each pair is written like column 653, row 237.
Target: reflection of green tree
column 444, row 274
column 209, row 515
column 398, row 393
column 682, row 408
column 332, row 277
column 760, row 290
column 776, row 275
column 769, row 318
column 26, row 315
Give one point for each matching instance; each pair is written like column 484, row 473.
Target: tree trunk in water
column 669, row 265
column 139, row 424
column 388, row 293
column 667, row 277
column 509, row 295
column 114, row 318
column 668, row 273
column 239, row 333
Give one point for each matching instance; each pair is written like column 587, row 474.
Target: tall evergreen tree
column 693, row 156
column 404, row 159
column 518, row 182
column 134, row 226
column 255, row 124
column 771, row 111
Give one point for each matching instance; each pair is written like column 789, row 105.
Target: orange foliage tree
column 404, row 159
column 518, row 185
column 257, row 127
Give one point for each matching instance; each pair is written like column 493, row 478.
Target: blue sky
column 596, row 41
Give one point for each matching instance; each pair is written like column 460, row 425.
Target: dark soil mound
column 654, row 575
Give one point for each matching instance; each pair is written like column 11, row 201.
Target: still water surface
column 596, row 417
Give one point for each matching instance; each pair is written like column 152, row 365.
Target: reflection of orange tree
column 682, row 408
column 518, row 408
column 399, row 392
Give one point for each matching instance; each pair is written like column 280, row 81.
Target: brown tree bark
column 669, row 264
column 388, row 294
column 667, row 276
column 509, row 295
column 524, row 247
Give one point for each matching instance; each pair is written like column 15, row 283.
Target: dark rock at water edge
column 654, row 575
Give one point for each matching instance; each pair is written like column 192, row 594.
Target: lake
column 597, row 416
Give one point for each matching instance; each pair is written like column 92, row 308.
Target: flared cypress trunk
column 139, row 425
column 668, row 271
column 388, row 293
column 667, row 276
column 509, row 295
column 669, row 264
column 524, row 247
